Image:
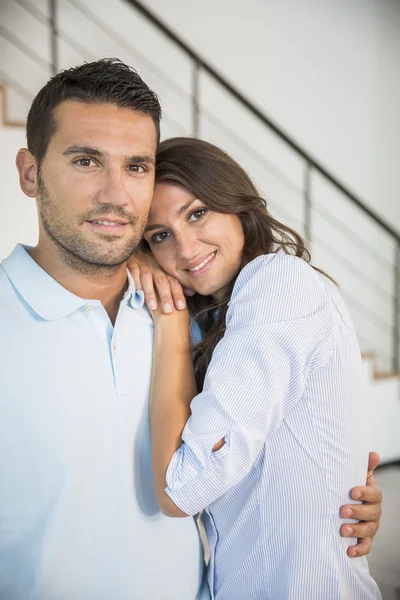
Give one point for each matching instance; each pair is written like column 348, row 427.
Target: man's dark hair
column 106, row 81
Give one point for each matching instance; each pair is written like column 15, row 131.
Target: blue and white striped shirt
column 284, row 389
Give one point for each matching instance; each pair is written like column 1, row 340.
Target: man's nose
column 113, row 190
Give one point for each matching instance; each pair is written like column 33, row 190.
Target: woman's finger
column 177, row 294
column 135, row 272
column 188, row 292
column 163, row 287
column 146, row 277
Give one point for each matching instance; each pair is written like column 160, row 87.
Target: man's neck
column 103, row 284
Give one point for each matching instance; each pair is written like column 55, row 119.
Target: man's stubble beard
column 77, row 252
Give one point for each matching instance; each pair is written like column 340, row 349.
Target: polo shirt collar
column 49, row 299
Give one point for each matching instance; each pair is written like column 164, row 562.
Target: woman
column 277, row 427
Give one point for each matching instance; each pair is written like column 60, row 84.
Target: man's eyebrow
column 89, row 151
column 83, row 150
column 178, row 213
column 142, row 158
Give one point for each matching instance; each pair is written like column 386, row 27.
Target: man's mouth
column 114, row 226
column 109, row 223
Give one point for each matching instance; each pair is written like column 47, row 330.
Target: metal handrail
column 233, row 91
column 311, row 164
column 199, row 112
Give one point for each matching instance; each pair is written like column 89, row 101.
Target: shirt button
column 114, row 347
column 90, row 308
column 192, row 472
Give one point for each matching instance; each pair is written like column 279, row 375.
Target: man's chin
column 95, row 259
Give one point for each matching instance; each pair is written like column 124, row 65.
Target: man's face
column 96, row 181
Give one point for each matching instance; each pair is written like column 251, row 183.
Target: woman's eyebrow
column 178, row 213
column 154, row 226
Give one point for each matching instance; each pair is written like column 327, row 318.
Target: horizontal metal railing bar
column 351, row 268
column 275, row 206
column 129, row 48
column 250, row 151
column 15, row 41
column 69, row 41
column 262, row 117
column 349, row 233
column 378, row 350
column 36, row 13
column 180, row 129
column 14, row 85
column 362, row 310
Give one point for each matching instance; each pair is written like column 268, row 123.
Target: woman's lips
column 203, row 266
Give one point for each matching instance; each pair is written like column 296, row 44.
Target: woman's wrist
column 173, row 331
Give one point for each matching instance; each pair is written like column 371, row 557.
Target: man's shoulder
column 8, row 297
column 5, row 284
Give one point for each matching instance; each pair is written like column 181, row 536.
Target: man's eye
column 84, row 162
column 137, row 168
column 197, row 214
column 157, row 238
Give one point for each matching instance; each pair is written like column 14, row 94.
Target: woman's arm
column 168, row 423
column 173, row 387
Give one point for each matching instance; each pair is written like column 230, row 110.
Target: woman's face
column 199, row 247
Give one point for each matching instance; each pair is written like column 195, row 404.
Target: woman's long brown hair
column 221, row 184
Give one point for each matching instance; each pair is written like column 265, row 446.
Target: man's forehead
column 93, row 109
column 80, row 123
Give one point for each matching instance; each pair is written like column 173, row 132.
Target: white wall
column 327, row 72
column 19, row 220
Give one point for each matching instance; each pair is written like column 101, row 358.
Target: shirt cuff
column 192, row 486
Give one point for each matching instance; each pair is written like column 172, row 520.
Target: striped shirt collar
column 49, row 299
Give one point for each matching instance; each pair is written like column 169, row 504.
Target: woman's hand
column 149, row 277
column 368, row 513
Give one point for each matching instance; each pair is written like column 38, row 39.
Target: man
column 78, row 515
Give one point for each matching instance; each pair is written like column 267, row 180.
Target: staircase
column 358, row 248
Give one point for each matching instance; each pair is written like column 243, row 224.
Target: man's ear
column 27, row 169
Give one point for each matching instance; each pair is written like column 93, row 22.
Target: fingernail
column 347, row 513
column 352, row 552
column 348, row 530
column 356, row 494
column 152, row 304
column 167, row 308
column 180, row 304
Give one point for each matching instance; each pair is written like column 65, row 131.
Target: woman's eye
column 157, row 238
column 197, row 214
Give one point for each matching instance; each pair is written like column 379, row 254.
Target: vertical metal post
column 195, row 99
column 307, row 204
column 53, row 36
column 396, row 310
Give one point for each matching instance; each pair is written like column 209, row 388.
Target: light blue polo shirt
column 78, row 515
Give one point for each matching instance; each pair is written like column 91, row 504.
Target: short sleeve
column 280, row 327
